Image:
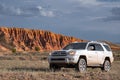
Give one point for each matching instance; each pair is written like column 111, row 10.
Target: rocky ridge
column 27, row 39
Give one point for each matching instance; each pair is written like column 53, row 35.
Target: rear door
column 100, row 53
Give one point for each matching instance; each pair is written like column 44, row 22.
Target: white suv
column 82, row 55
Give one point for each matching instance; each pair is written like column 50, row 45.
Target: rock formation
column 27, row 39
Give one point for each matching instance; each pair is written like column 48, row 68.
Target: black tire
column 51, row 66
column 81, row 65
column 54, row 67
column 106, row 66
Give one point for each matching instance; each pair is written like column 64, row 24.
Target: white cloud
column 99, row 3
column 18, row 11
column 39, row 7
column 94, row 18
column 26, row 12
column 47, row 13
column 13, row 11
column 44, row 12
column 4, row 10
column 87, row 3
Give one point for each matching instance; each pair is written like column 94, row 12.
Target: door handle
column 90, row 56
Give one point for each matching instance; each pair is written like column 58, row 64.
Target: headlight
column 50, row 53
column 71, row 52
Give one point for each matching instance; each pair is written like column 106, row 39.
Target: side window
column 107, row 47
column 91, row 47
column 98, row 47
column 94, row 47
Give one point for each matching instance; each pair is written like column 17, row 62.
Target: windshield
column 75, row 46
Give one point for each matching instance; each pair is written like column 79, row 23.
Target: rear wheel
column 106, row 66
column 81, row 65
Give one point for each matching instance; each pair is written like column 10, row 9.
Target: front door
column 95, row 54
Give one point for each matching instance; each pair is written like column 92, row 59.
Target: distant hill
column 28, row 40
column 114, row 46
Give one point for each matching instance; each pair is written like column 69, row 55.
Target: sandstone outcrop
column 27, row 39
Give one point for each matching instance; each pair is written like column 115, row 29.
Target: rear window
column 107, row 47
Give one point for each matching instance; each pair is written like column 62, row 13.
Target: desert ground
column 34, row 66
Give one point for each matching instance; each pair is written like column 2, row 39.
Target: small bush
column 14, row 50
column 37, row 49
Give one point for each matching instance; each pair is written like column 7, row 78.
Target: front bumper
column 62, row 59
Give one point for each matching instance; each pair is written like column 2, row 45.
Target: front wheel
column 106, row 66
column 81, row 65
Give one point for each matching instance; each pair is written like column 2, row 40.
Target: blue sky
column 85, row 19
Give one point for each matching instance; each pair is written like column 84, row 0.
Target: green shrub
column 37, row 49
column 14, row 50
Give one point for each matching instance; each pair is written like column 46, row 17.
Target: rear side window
column 107, row 47
column 99, row 47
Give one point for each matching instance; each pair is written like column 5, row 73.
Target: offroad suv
column 82, row 55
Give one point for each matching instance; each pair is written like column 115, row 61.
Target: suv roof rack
column 97, row 42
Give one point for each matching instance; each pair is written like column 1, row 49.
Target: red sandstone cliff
column 27, row 39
